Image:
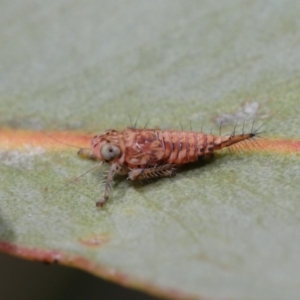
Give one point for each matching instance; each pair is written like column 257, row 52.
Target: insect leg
column 114, row 169
column 153, row 172
column 110, row 177
column 86, row 153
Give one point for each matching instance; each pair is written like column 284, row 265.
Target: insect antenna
column 73, row 180
column 70, row 145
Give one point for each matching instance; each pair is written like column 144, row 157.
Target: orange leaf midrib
column 57, row 140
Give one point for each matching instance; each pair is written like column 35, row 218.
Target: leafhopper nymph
column 150, row 153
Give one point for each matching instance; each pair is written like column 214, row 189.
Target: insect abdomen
column 149, row 147
column 182, row 147
column 187, row 146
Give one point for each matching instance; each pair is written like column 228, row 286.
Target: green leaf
column 225, row 228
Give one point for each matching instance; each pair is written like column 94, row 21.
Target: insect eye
column 109, row 151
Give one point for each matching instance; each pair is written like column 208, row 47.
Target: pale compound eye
column 109, row 151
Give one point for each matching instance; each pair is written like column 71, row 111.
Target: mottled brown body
column 148, row 153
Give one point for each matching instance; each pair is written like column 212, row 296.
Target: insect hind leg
column 153, row 172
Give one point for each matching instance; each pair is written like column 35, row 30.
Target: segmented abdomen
column 149, row 147
column 181, row 147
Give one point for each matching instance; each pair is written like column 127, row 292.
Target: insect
column 150, row 153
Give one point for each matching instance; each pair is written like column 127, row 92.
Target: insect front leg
column 153, row 172
column 114, row 169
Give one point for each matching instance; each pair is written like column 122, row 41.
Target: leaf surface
column 225, row 228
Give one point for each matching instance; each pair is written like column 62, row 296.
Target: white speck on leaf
column 247, row 112
column 22, row 158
